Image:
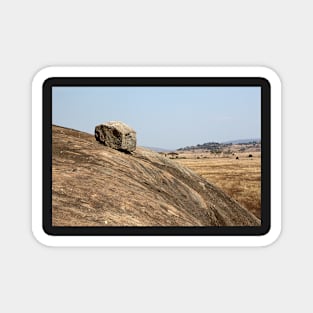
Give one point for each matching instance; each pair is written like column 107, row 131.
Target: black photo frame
column 163, row 230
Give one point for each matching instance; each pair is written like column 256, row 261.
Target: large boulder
column 116, row 135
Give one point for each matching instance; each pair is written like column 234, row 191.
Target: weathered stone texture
column 116, row 135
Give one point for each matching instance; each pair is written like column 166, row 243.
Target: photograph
column 161, row 156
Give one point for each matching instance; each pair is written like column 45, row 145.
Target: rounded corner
column 270, row 75
column 271, row 237
column 41, row 236
column 42, row 75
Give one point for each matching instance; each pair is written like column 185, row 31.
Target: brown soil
column 93, row 185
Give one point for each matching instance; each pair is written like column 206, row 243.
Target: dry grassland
column 239, row 178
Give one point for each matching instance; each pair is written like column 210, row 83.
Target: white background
column 35, row 34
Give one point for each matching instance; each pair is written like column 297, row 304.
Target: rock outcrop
column 116, row 135
column 94, row 185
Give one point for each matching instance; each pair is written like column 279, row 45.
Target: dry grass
column 240, row 179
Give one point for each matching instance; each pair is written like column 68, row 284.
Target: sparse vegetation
column 215, row 146
column 239, row 176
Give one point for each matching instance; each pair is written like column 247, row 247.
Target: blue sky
column 165, row 117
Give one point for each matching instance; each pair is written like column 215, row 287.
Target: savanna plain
column 237, row 171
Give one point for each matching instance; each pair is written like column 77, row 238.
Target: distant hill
column 214, row 146
column 243, row 141
column 156, row 149
column 94, row 185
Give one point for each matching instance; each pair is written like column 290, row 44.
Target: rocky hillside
column 94, row 185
